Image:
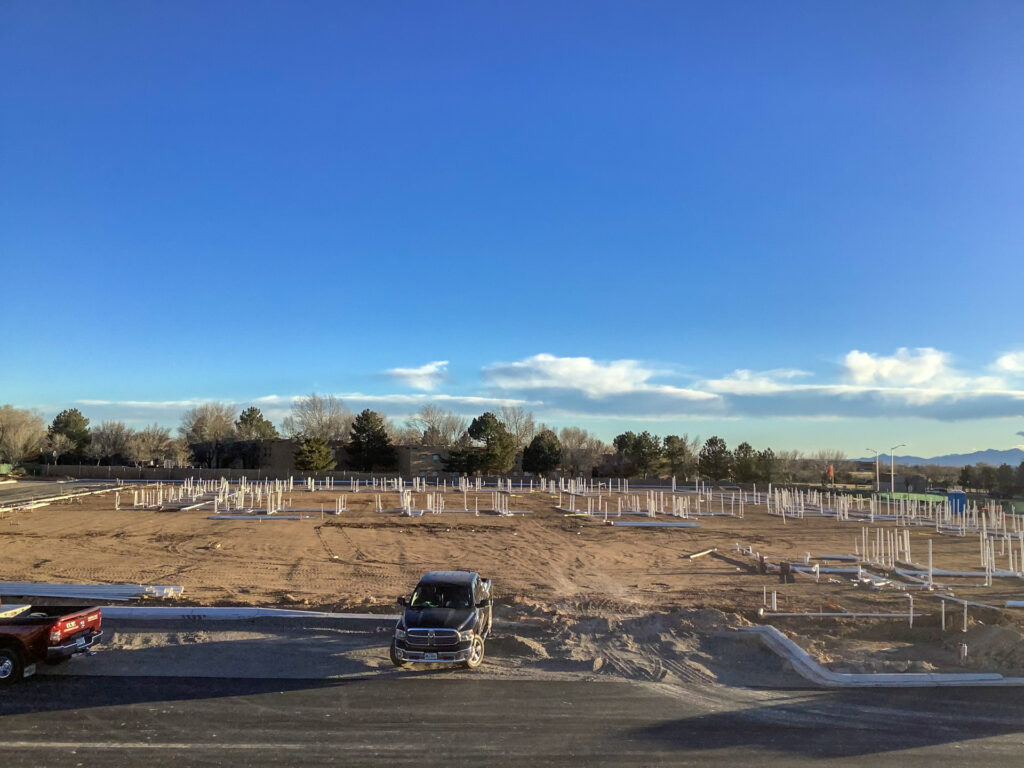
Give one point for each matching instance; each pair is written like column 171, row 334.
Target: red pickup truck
column 30, row 634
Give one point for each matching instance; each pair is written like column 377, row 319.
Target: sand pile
column 995, row 648
column 672, row 646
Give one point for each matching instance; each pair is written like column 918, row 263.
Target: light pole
column 892, row 470
column 876, row 468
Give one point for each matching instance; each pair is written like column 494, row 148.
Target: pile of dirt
column 995, row 648
column 666, row 647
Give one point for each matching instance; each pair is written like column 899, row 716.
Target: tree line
column 1004, row 480
column 493, row 443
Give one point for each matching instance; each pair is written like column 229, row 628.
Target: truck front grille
column 432, row 638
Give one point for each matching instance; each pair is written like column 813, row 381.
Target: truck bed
column 48, row 633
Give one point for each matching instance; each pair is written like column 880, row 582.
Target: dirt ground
column 579, row 592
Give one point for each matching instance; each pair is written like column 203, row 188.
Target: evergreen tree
column 766, row 465
column 253, row 425
column 463, row 457
column 679, row 455
column 74, row 426
column 641, row 454
column 314, row 455
column 715, row 459
column 499, row 446
column 370, row 447
column 543, row 454
column 744, row 463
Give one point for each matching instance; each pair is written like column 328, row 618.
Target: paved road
column 32, row 489
column 430, row 720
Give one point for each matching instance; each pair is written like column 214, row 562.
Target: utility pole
column 877, row 484
column 892, row 470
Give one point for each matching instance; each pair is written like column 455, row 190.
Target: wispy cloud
column 427, row 377
column 155, row 404
column 922, row 382
column 594, row 378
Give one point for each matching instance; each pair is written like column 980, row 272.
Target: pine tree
column 73, row 425
column 499, row 453
column 543, row 454
column 314, row 455
column 715, row 459
column 253, row 425
column 370, row 447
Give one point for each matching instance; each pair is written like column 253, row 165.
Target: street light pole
column 877, row 483
column 892, row 470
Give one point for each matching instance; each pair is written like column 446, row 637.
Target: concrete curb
column 811, row 670
column 203, row 613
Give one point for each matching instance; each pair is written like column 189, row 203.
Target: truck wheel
column 12, row 667
column 394, row 657
column 476, row 653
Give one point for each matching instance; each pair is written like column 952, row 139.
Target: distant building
column 421, row 460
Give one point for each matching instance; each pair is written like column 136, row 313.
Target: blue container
column 957, row 501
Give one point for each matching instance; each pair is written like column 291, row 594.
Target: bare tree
column 787, row 465
column 519, row 423
column 404, row 435
column 209, row 423
column 58, row 444
column 109, row 439
column 180, row 452
column 581, row 451
column 150, row 444
column 318, row 417
column 437, row 426
column 22, row 433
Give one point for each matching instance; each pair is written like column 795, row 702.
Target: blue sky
column 795, row 223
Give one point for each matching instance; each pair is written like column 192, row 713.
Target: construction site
column 597, row 578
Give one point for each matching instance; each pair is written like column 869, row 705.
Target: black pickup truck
column 446, row 621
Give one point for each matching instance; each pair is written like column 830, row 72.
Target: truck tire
column 394, row 657
column 476, row 653
column 12, row 665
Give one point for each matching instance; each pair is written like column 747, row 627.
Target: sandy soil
column 583, row 597
column 685, row 646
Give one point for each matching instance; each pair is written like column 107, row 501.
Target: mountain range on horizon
column 993, row 456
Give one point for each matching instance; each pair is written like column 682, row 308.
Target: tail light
column 55, row 636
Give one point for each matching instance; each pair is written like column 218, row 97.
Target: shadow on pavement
column 850, row 723
column 65, row 693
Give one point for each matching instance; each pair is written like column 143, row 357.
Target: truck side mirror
column 401, row 601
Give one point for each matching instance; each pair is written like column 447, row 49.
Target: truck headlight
column 399, row 634
column 466, row 636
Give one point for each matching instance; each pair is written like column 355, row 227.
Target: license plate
column 430, row 656
column 79, row 641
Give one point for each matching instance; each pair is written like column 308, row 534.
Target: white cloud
column 450, row 400
column 921, row 382
column 426, row 377
column 593, row 378
column 1011, row 363
column 156, row 404
column 744, row 382
column 905, row 368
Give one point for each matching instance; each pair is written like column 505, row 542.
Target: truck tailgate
column 72, row 624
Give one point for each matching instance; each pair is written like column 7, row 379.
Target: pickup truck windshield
column 441, row 596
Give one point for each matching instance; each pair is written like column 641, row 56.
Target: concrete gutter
column 203, row 613
column 811, row 670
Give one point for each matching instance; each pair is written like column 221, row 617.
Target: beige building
column 421, row 460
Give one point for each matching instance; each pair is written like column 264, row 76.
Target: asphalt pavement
column 27, row 490
column 430, row 720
